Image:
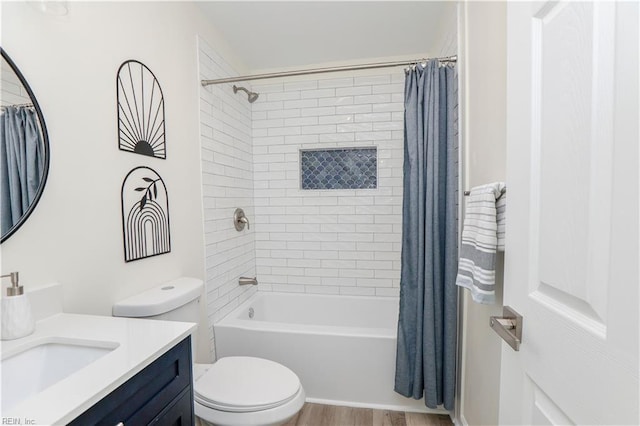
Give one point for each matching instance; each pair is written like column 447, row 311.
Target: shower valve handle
column 240, row 220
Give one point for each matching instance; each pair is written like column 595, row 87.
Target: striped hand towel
column 482, row 234
column 501, row 208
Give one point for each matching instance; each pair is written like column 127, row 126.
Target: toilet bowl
column 234, row 391
column 246, row 391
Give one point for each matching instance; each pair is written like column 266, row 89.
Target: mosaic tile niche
column 348, row 168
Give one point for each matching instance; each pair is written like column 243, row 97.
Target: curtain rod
column 28, row 105
column 206, row 83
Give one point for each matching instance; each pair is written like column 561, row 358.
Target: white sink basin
column 29, row 370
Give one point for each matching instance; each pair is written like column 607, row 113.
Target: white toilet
column 235, row 390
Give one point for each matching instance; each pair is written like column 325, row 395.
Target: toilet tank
column 175, row 300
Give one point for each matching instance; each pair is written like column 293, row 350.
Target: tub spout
column 247, row 280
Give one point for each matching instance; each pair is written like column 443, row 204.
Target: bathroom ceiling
column 274, row 35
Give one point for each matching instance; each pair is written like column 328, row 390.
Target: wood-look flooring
column 331, row 415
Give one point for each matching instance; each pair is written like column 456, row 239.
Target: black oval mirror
column 24, row 149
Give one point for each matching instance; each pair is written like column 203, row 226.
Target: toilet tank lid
column 160, row 299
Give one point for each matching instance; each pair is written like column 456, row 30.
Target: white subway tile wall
column 345, row 242
column 227, row 183
column 13, row 92
column 328, row 241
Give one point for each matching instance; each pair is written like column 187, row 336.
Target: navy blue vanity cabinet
column 161, row 394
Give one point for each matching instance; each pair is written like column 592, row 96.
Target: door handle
column 508, row 326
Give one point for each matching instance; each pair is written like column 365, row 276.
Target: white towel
column 482, row 236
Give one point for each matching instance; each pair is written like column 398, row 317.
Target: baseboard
column 375, row 406
column 460, row 421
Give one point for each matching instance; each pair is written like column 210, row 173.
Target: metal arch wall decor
column 140, row 111
column 145, row 215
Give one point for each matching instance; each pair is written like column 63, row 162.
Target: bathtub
column 343, row 348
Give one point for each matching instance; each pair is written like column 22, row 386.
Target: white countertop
column 140, row 342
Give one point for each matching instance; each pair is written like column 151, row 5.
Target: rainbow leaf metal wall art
column 141, row 128
column 145, row 215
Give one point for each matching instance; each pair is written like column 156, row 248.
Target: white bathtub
column 343, row 348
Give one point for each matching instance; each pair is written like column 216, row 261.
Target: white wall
column 483, row 70
column 227, row 179
column 447, row 44
column 328, row 241
column 74, row 236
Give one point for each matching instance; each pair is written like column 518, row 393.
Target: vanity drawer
column 143, row 398
column 179, row 413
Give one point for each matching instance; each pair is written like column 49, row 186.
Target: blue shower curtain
column 21, row 163
column 426, row 351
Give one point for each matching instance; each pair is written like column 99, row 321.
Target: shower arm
column 251, row 96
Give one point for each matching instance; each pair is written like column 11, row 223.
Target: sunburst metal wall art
column 140, row 111
column 145, row 215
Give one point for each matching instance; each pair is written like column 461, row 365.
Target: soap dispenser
column 17, row 319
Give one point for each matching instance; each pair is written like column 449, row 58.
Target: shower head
column 251, row 96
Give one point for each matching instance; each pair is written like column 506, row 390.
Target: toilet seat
column 246, row 384
column 271, row 417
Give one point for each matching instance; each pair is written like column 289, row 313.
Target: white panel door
column 571, row 257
